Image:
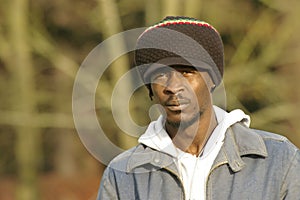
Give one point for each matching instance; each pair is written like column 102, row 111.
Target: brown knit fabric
column 181, row 40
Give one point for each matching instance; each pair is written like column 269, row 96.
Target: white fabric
column 193, row 170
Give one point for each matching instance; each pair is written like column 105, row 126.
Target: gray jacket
column 251, row 164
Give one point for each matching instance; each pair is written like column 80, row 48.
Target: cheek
column 157, row 92
column 202, row 95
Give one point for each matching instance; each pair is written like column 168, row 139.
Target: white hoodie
column 193, row 169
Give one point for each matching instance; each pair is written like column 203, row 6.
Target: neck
column 192, row 138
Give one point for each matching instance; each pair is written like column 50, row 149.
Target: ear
column 209, row 82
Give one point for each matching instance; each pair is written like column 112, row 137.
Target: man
column 196, row 150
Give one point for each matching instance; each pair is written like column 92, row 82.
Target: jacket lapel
column 144, row 155
column 239, row 141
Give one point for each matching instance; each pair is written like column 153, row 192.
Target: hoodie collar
column 239, row 141
column 157, row 138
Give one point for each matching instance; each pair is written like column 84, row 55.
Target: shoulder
column 263, row 143
column 270, row 135
column 275, row 139
column 122, row 161
column 275, row 144
column 278, row 144
column 267, row 137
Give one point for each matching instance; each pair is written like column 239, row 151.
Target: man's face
column 183, row 93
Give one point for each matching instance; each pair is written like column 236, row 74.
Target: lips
column 177, row 104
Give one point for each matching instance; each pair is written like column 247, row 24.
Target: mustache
column 176, row 101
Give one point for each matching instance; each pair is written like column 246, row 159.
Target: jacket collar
column 145, row 155
column 239, row 141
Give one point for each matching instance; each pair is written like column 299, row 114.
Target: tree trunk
column 172, row 7
column 112, row 25
column 193, row 8
column 27, row 146
column 152, row 12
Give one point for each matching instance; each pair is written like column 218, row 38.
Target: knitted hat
column 180, row 41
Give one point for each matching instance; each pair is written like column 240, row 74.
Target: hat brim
column 172, row 61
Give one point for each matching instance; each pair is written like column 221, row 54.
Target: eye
column 187, row 72
column 184, row 72
column 160, row 75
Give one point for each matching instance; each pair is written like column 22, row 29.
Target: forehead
column 182, row 67
column 193, row 73
column 202, row 69
column 177, row 68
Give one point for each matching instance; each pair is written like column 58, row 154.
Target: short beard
column 184, row 124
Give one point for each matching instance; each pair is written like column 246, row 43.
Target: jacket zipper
column 178, row 178
column 210, row 172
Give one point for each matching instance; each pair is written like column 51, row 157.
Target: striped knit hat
column 180, row 41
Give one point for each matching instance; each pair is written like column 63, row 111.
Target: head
column 186, row 55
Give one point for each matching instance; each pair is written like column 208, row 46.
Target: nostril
column 173, row 90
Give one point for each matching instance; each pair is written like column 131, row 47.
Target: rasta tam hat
column 183, row 41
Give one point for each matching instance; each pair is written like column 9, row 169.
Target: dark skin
column 186, row 100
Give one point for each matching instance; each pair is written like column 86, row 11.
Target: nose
column 175, row 83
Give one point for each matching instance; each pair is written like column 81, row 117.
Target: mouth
column 177, row 105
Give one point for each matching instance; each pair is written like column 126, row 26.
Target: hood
column 157, row 138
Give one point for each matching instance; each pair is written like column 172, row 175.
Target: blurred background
column 43, row 43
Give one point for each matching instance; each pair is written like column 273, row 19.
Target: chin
column 182, row 120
